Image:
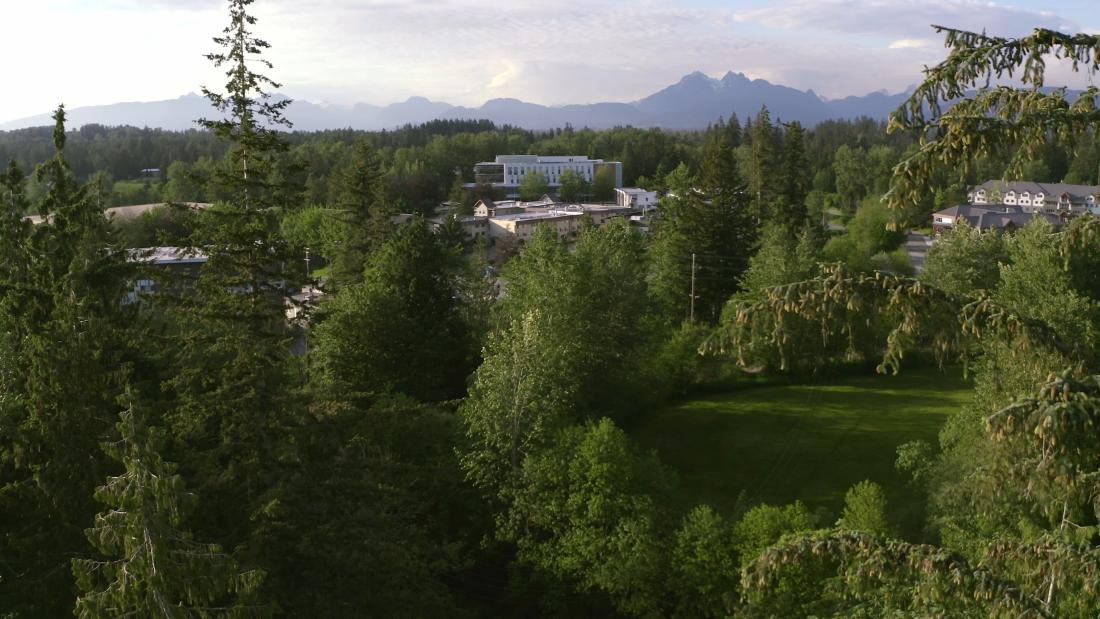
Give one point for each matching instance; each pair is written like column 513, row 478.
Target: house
column 1032, row 197
column 990, row 217
column 486, row 207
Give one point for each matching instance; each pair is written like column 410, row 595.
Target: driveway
column 917, row 247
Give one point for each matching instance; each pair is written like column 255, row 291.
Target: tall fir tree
column 151, row 565
column 234, row 404
column 734, row 133
column 763, row 175
column 64, row 339
column 703, row 243
column 794, row 180
column 365, row 213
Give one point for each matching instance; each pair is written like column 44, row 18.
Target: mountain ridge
column 695, row 101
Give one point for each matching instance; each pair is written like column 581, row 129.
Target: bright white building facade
column 1034, row 197
column 636, row 198
column 508, row 171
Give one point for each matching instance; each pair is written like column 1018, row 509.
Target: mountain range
column 694, row 102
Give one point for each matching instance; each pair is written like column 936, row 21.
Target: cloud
column 468, row 51
column 905, row 17
column 915, row 44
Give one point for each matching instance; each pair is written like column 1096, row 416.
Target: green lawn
column 810, row 442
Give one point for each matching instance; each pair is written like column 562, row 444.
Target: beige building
column 475, row 227
column 564, row 219
column 522, row 226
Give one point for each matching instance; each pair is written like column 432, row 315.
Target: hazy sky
column 87, row 52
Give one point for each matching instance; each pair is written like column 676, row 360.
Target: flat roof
column 167, row 255
column 547, row 215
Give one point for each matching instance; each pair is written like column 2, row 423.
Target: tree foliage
column 587, row 508
column 534, row 186
column 373, row 522
column 573, row 186
column 401, row 330
column 901, row 313
column 706, row 234
column 230, row 377
column 61, row 282
column 959, row 127
column 865, row 510
column 152, row 566
column 364, row 212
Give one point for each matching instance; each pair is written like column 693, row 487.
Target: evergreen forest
column 346, row 413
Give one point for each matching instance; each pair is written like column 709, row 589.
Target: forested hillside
column 342, row 413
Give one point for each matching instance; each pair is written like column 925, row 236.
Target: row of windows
column 1026, row 196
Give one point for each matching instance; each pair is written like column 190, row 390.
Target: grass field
column 811, row 442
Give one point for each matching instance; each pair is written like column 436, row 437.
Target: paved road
column 917, row 246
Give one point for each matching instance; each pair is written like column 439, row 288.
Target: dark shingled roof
column 994, row 216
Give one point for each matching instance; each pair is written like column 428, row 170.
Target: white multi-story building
column 508, row 171
column 1034, row 197
column 635, row 198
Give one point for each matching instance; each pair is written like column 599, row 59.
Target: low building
column 1007, row 217
column 564, row 219
column 1032, row 197
column 488, row 208
column 127, row 213
column 180, row 266
column 474, row 226
column 600, row 213
column 522, row 226
column 636, row 198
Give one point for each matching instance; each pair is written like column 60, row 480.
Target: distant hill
column 692, row 103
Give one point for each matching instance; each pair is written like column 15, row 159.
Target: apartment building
column 1032, row 197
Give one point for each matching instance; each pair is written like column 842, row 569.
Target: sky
column 464, row 52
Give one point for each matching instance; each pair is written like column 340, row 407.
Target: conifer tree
column 14, row 228
column 764, row 156
column 231, row 373
column 714, row 223
column 718, row 173
column 734, row 132
column 62, row 282
column 364, row 211
column 794, row 182
column 152, row 566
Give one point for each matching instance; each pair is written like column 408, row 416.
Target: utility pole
column 692, row 287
